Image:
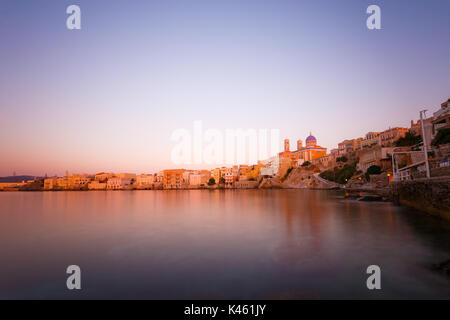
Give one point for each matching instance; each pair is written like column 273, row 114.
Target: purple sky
column 109, row 96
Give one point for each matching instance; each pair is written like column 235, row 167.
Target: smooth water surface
column 233, row 244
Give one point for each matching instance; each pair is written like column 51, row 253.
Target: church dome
column 311, row 138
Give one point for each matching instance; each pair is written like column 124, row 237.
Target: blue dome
column 311, row 138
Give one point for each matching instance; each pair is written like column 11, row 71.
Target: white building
column 271, row 166
column 117, row 183
column 97, row 185
column 145, row 180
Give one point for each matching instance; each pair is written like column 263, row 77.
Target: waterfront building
column 204, row 177
column 195, row 179
column 49, row 183
column 118, row 183
column 97, row 185
column 215, row 173
column 230, row 176
column 79, row 180
column 64, row 183
column 15, row 186
column 173, row 179
column 159, row 177
column 145, row 181
column 187, row 176
column 129, row 176
column 103, row 176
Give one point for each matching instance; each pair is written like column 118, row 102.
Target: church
column 291, row 159
column 311, row 151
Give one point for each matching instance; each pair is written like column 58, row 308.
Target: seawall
column 431, row 196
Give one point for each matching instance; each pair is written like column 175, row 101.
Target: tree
column 287, row 173
column 408, row 140
column 442, row 137
column 372, row 170
column 306, row 163
column 211, row 182
column 222, row 180
column 342, row 159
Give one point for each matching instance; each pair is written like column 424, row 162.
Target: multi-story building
column 373, row 156
column 49, row 183
column 173, row 179
column 97, row 185
column 80, row 180
column 255, row 171
column 103, row 176
column 205, row 175
column 195, row 179
column 145, row 181
column 215, row 173
column 159, row 176
column 325, row 161
column 130, row 176
column 346, row 146
column 334, row 153
column 270, row 166
column 118, row 183
column 441, row 118
column 244, row 170
column 63, row 183
column 230, row 176
column 287, row 160
column 371, row 139
column 357, row 144
column 389, row 136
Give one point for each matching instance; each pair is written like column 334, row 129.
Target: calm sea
column 234, row 244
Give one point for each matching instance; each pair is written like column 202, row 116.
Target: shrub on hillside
column 442, row 137
column 340, row 175
column 372, row 170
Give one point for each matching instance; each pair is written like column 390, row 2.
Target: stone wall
column 431, row 196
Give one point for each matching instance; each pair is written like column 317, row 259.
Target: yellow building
column 286, row 160
column 255, row 171
column 173, row 179
column 216, row 174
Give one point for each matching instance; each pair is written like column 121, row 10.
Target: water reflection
column 216, row 244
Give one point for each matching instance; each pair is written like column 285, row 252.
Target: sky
column 109, row 96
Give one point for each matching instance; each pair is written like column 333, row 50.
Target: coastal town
column 375, row 160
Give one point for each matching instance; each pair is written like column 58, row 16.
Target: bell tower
column 286, row 145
